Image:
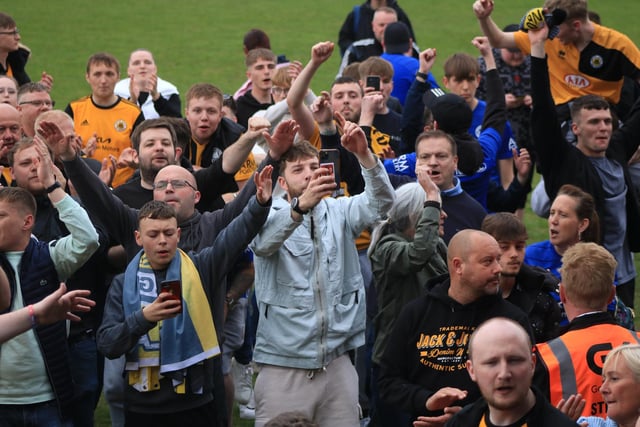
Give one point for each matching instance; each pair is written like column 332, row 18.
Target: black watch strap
column 53, row 186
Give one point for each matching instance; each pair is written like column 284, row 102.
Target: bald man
column 423, row 370
column 10, row 133
column 501, row 363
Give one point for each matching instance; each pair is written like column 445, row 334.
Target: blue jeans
column 84, row 369
column 43, row 414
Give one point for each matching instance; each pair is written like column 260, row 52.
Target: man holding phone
column 159, row 313
column 309, row 287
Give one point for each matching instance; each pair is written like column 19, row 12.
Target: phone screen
column 330, row 159
column 173, row 287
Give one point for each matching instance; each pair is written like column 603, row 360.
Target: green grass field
column 195, row 41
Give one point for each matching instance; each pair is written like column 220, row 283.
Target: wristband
column 53, row 186
column 421, row 77
column 32, row 315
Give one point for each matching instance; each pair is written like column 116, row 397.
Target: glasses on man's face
column 175, row 184
column 277, row 90
column 39, row 104
column 14, row 33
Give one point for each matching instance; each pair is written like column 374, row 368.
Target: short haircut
column 256, row 38
column 374, row 65
column 141, row 50
column 103, row 58
column 588, row 102
column 182, row 130
column 156, row 209
column 461, row 66
column 55, row 116
column 160, row 123
column 576, row 9
column 291, row 419
column 472, row 338
column 204, row 90
column 6, row 21
column 299, row 150
column 281, row 78
column 630, row 353
column 588, row 271
column 585, row 208
column 386, row 9
column 20, row 198
column 31, row 87
column 437, row 134
column 505, row 226
column 345, row 80
column 22, row 144
column 15, row 82
column 352, row 71
column 259, row 53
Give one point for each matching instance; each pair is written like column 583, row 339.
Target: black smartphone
column 330, row 159
column 173, row 288
column 374, row 82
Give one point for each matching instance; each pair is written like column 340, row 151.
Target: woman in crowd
column 572, row 219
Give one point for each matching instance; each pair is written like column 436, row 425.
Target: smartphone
column 173, row 288
column 330, row 159
column 374, row 82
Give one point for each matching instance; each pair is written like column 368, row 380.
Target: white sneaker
column 248, row 411
column 242, row 381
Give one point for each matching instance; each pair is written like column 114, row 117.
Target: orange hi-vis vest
column 574, row 362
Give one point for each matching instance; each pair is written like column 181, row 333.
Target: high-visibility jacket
column 574, row 363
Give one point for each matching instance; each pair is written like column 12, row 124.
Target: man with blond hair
column 572, row 363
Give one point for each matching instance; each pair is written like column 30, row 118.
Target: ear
column 86, row 77
column 455, row 161
column 584, row 224
column 563, row 295
column 283, row 183
column 138, row 238
column 445, row 81
column 470, row 370
column 28, row 222
column 196, row 197
column 248, row 74
column 178, row 154
column 478, row 78
column 457, row 264
column 178, row 233
column 612, row 295
column 435, row 125
column 574, row 128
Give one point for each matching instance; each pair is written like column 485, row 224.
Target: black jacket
column 17, row 60
column 562, row 163
column 427, row 349
column 541, row 415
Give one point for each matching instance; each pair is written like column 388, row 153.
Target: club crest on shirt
column 596, row 61
column 120, row 125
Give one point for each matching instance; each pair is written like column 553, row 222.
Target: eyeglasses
column 175, row 184
column 277, row 90
column 10, row 33
column 39, row 104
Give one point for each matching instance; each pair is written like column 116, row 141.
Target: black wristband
column 422, row 76
column 432, row 203
column 53, row 186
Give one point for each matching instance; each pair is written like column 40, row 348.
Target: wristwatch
column 295, row 206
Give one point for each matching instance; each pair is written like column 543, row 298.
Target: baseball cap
column 397, row 38
column 453, row 116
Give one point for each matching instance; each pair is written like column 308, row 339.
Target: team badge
column 120, row 125
column 596, row 61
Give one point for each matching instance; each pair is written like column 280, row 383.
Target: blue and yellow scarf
column 173, row 344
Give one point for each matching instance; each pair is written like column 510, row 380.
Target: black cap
column 397, row 38
column 451, row 111
column 453, row 116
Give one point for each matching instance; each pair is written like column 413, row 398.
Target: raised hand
column 46, row 80
column 427, row 58
column 293, row 70
column 483, row 8
column 282, row 138
column 523, row 164
column 321, row 108
column 108, row 170
column 263, row 184
column 165, row 306
column 320, row 52
column 62, row 146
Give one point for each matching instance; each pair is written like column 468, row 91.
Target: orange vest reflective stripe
column 574, row 363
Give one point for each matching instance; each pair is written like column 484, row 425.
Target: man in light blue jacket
column 309, row 287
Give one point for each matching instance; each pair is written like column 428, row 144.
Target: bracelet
column 421, row 77
column 32, row 315
column 53, row 186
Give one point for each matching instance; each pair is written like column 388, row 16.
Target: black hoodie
column 427, row 349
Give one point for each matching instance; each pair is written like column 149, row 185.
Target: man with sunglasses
column 14, row 55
